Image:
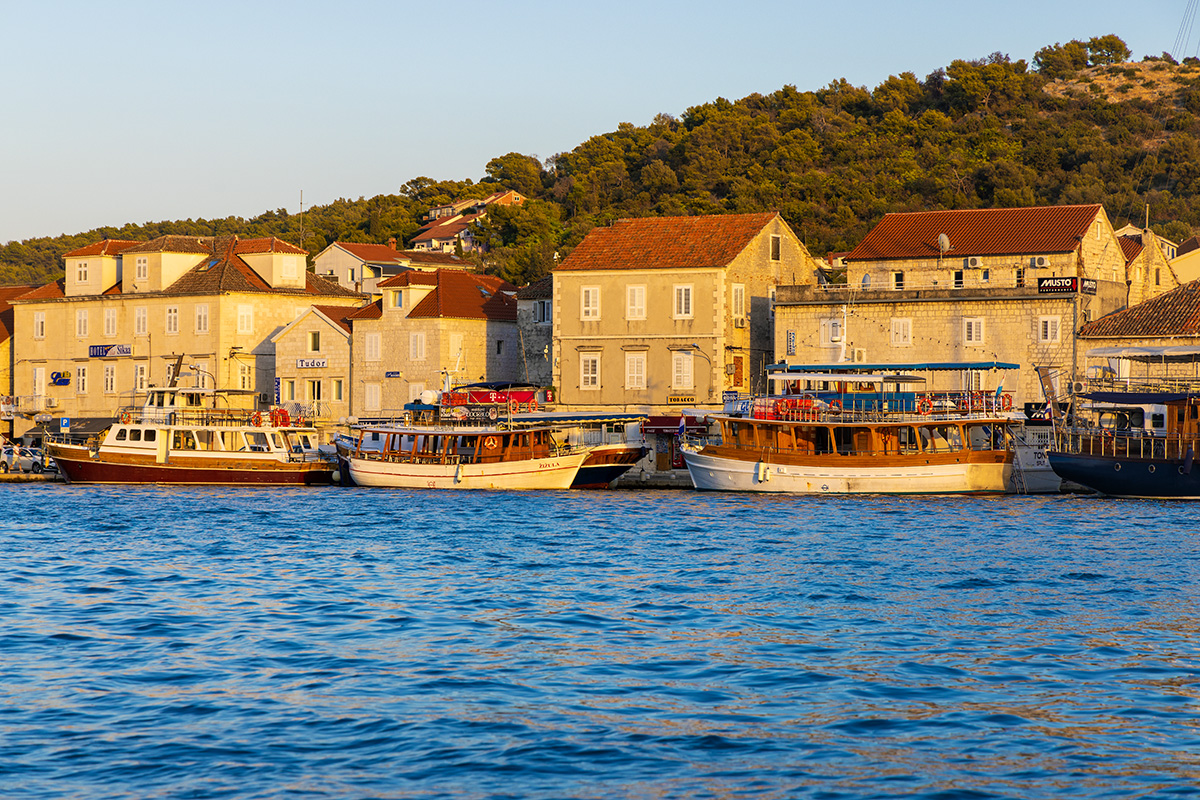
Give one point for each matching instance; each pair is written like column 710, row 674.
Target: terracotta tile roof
column 105, row 247
column 447, row 230
column 1188, row 246
column 410, row 279
column 6, row 310
column 435, row 259
column 461, row 295
column 49, row 291
column 370, row 311
column 172, row 243
column 1176, row 313
column 268, row 244
column 977, row 232
column 667, row 242
column 225, row 271
column 371, row 253
column 540, row 289
column 1131, row 248
column 339, row 315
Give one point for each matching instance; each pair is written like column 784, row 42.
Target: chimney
column 392, row 243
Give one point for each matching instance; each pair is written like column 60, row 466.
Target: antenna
column 944, row 242
column 301, row 219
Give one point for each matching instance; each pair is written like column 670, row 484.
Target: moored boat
column 181, row 437
column 1133, row 436
column 889, row 439
column 459, row 457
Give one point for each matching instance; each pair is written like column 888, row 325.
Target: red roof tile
column 977, row 232
column 667, row 242
column 1176, row 313
column 105, row 247
column 370, row 311
column 339, row 315
column 371, row 253
column 540, row 289
column 447, row 230
column 410, row 278
column 461, row 295
column 172, row 243
column 49, row 291
column 1131, row 248
column 6, row 311
column 267, row 244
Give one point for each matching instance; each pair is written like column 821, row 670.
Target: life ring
column 835, row 406
column 126, row 418
column 1006, row 402
column 533, row 404
column 513, row 406
column 256, row 419
column 490, row 443
column 925, row 406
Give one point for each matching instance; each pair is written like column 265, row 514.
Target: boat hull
column 606, row 463
column 1129, row 477
column 80, row 467
column 551, row 472
column 718, row 473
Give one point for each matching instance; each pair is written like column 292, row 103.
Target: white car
column 31, row 459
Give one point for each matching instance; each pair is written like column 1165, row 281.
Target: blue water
column 259, row 643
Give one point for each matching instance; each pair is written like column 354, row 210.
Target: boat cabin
column 454, row 445
column 134, row 437
column 881, row 438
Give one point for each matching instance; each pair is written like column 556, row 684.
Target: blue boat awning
column 847, row 366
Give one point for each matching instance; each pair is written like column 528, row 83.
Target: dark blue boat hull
column 1129, row 477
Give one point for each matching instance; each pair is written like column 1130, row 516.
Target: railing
column 1126, row 445
column 942, row 281
column 946, row 406
column 1169, row 385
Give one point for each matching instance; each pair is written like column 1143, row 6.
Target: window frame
column 589, row 303
column 589, row 372
column 81, row 323
column 81, row 379
column 110, row 322
column 901, row 332
column 39, row 325
column 635, row 380
column 141, row 321
column 245, row 318
column 314, row 341
column 974, row 332
column 416, row 346
column 372, row 347
column 110, row 379
column 200, row 318
column 737, row 301
column 1049, row 329
column 683, row 374
column 141, row 268
column 171, row 323
column 635, row 309
column 687, row 293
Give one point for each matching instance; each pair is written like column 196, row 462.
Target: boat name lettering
column 311, row 363
column 109, row 350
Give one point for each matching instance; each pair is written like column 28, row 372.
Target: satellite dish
column 943, row 242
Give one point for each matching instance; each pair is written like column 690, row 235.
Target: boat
column 1133, row 436
column 840, row 430
column 614, row 442
column 181, row 436
column 459, row 457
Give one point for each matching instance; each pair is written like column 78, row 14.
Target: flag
column 682, row 428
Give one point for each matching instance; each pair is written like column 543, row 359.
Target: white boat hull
column 714, row 473
column 552, row 472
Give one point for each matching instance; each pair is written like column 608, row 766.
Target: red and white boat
column 181, row 437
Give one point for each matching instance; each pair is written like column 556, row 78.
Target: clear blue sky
column 129, row 111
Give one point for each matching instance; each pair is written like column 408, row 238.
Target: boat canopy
column 853, row 377
column 1136, row 398
column 936, row 366
column 1158, row 355
column 573, row 419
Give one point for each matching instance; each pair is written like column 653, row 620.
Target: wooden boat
column 614, row 442
column 1134, row 436
column 460, row 457
column 180, row 437
column 901, row 442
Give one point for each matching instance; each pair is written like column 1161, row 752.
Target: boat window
column 183, row 440
column 305, row 442
column 204, row 440
column 135, row 434
column 275, row 440
column 852, row 440
column 940, row 438
column 151, row 435
column 374, row 436
column 1158, row 421
column 120, row 434
column 984, row 437
column 256, row 441
column 907, row 437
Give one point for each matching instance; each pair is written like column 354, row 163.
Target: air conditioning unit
column 1039, row 261
column 973, row 262
column 739, row 322
column 51, row 402
column 1077, row 387
column 860, row 355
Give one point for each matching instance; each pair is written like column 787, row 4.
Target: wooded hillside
column 1078, row 125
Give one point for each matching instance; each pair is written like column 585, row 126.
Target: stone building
column 360, row 267
column 8, row 408
column 1168, row 320
column 125, row 312
column 535, row 328
column 663, row 313
column 313, row 364
column 426, row 327
column 1009, row 285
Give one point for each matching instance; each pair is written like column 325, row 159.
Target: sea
column 366, row 643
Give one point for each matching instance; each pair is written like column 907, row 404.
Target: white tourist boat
column 889, row 439
column 459, row 457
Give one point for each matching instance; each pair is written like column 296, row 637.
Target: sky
column 129, row 111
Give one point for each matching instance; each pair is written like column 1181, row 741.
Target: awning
column 850, row 366
column 670, row 424
column 855, row 377
column 80, row 426
column 1136, row 398
column 1158, row 355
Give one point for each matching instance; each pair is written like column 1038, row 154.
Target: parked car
column 31, row 459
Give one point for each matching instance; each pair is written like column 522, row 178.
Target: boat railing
column 1143, row 385
column 211, row 417
column 1126, row 444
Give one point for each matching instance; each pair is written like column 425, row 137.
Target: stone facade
column 535, row 327
column 662, row 313
column 312, row 365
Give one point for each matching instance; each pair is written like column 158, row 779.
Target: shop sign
column 109, row 350
column 680, row 399
column 311, row 363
